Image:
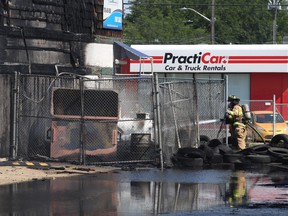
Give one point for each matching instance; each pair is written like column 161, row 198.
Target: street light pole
column 212, row 21
column 184, row 8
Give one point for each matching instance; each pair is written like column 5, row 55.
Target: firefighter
column 237, row 128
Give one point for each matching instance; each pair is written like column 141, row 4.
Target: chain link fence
column 282, row 109
column 85, row 121
column 115, row 120
column 190, row 109
column 119, row 120
column 271, row 115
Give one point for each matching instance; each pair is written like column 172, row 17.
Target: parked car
column 262, row 121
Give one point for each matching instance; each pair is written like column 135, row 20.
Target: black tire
column 261, row 149
column 190, row 162
column 223, row 149
column 284, row 160
column 258, row 158
column 216, row 159
column 214, row 143
column 231, row 158
column 279, row 140
column 258, row 149
column 278, row 153
column 204, row 139
column 191, row 153
column 208, row 151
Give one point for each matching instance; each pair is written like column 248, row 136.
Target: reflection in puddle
column 272, row 188
column 159, row 197
column 236, row 193
column 148, row 192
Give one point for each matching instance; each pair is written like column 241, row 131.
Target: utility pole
column 274, row 6
column 213, row 22
column 274, row 26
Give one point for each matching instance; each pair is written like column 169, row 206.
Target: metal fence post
column 226, row 106
column 274, row 114
column 82, row 147
column 14, row 146
column 158, row 121
column 174, row 117
column 197, row 140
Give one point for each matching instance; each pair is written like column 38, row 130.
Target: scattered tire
column 284, row 160
column 278, row 153
column 208, row 151
column 190, row 162
column 261, row 149
column 279, row 140
column 204, row 139
column 214, row 143
column 258, row 158
column 246, row 151
column 189, row 152
column 223, row 149
column 216, row 159
column 258, row 149
column 232, row 158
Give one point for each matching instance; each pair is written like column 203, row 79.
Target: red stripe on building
column 146, row 61
column 157, row 57
column 258, row 57
column 259, row 61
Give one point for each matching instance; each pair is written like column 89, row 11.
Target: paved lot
column 14, row 172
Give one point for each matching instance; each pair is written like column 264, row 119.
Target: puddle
column 151, row 192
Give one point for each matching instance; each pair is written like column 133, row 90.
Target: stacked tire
column 278, row 149
column 215, row 152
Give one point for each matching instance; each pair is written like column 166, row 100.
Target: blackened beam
column 38, row 33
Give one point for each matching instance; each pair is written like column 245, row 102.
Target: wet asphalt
column 149, row 191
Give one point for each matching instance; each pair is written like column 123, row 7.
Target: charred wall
column 36, row 35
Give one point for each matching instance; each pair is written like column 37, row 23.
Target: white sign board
column 112, row 14
column 213, row 58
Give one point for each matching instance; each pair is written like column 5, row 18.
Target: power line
column 181, row 5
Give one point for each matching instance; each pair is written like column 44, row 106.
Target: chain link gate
column 189, row 109
column 85, row 121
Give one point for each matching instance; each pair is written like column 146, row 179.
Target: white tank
column 246, row 112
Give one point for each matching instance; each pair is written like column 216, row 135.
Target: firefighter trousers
column 239, row 133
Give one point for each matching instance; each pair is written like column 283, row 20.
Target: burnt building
column 45, row 38
column 36, row 35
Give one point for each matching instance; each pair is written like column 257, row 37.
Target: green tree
column 282, row 21
column 156, row 21
column 237, row 22
column 248, row 23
